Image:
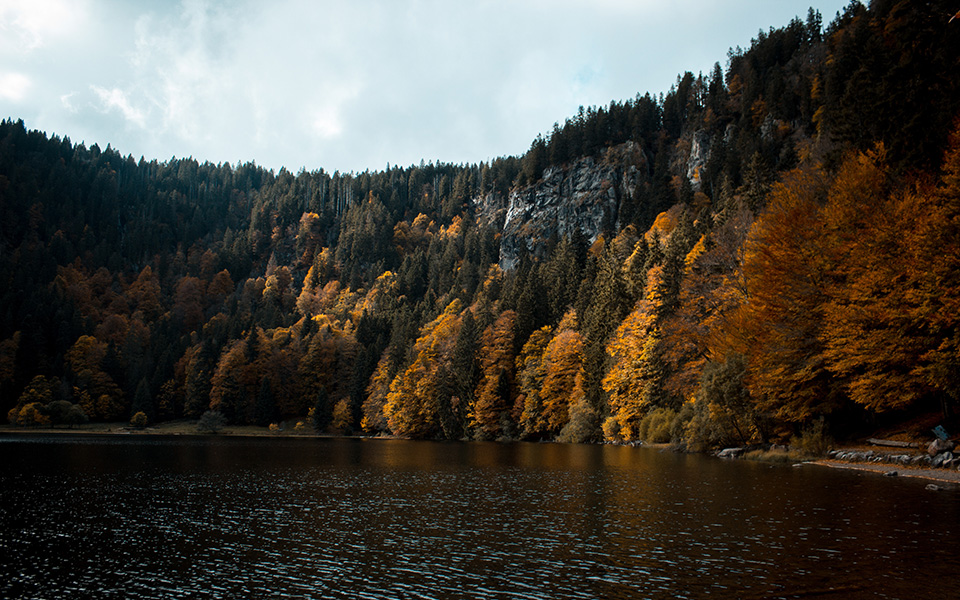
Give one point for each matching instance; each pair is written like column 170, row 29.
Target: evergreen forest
column 785, row 252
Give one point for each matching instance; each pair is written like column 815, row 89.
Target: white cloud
column 66, row 100
column 31, row 23
column 350, row 85
column 116, row 99
column 14, row 86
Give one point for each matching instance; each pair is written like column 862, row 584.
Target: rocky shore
column 939, row 455
column 938, row 462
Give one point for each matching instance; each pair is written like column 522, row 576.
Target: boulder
column 939, row 459
column 938, row 446
column 730, row 453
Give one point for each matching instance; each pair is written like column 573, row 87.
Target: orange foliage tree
column 891, row 321
column 100, row 396
column 562, row 366
column 778, row 326
column 713, row 285
column 634, row 376
column 412, row 406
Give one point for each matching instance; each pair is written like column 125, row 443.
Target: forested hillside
column 776, row 243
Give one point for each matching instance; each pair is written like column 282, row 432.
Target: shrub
column 583, row 423
column 211, row 421
column 75, row 416
column 813, row 440
column 701, row 432
column 139, row 420
column 63, row 412
column 341, row 417
column 32, row 415
column 611, row 430
column 656, row 425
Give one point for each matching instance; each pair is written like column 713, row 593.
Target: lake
column 208, row 517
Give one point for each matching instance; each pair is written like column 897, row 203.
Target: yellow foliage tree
column 494, row 403
column 101, row 397
column 374, row 419
column 530, row 375
column 412, row 404
column 562, row 366
column 627, row 382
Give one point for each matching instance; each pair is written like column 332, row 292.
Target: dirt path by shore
column 943, row 476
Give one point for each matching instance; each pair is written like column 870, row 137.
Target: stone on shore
column 939, row 446
column 730, row 453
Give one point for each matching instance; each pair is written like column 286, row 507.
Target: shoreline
column 188, row 429
column 172, row 428
column 947, row 476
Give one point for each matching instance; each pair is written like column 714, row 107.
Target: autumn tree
column 327, row 364
column 530, row 375
column 713, row 285
column 562, row 365
column 890, row 329
column 634, row 381
column 228, row 394
column 491, row 413
column 411, row 406
column 100, row 396
column 778, row 327
column 40, row 391
column 374, row 419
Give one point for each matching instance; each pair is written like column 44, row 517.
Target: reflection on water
column 322, row 518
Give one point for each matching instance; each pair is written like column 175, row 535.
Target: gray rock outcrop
column 584, row 196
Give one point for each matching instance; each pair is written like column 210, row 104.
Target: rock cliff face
column 584, row 196
column 698, row 157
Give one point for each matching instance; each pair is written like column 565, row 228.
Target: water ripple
column 230, row 520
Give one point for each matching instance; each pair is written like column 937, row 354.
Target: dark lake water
column 183, row 517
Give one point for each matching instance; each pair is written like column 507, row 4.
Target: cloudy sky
column 355, row 84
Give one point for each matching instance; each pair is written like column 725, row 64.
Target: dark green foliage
column 63, row 412
column 265, row 410
column 211, row 422
column 322, row 411
column 723, row 389
column 199, row 370
column 464, row 375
